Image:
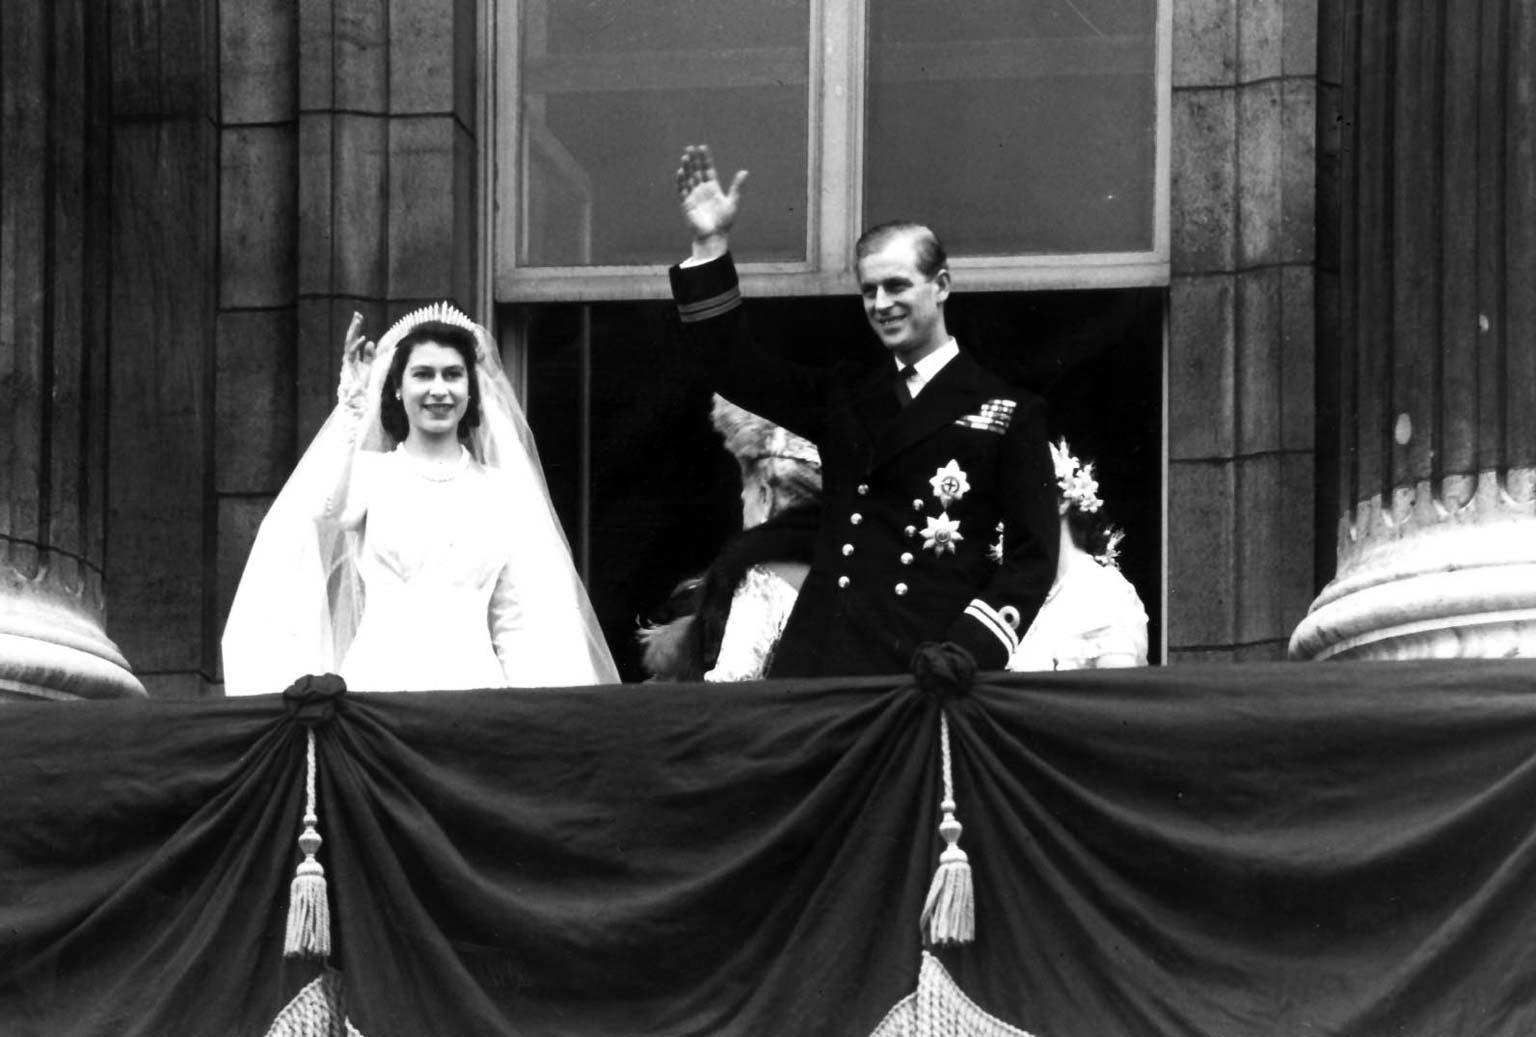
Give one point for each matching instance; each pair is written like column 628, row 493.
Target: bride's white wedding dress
column 441, row 605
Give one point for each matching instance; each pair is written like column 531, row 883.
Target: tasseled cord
column 309, row 917
column 949, row 913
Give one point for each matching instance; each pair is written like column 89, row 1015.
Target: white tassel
column 309, row 915
column 949, row 912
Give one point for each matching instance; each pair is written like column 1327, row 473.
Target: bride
column 414, row 547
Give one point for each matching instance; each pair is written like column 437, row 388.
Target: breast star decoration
column 950, row 483
column 941, row 534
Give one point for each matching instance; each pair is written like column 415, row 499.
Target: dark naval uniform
column 939, row 521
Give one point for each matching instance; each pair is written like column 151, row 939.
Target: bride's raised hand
column 356, row 361
column 708, row 209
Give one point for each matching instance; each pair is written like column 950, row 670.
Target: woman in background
column 736, row 610
column 415, row 547
column 1092, row 616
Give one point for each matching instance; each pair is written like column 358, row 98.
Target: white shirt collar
column 930, row 365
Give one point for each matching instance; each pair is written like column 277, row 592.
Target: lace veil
column 300, row 597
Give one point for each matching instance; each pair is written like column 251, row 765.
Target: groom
column 940, row 506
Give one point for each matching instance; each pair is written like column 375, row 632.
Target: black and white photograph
column 762, row 518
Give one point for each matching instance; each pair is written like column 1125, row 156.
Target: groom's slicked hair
column 392, row 409
column 931, row 257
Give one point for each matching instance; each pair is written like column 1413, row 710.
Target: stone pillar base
column 51, row 647
column 1444, row 577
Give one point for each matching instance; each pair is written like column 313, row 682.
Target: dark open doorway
column 647, row 494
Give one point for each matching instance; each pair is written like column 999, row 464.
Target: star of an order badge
column 941, row 534
column 950, row 483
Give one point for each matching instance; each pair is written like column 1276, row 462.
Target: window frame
column 834, row 187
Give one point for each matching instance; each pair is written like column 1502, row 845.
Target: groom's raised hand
column 708, row 210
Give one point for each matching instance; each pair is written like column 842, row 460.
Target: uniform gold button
column 901, row 588
column 906, row 558
column 911, row 531
column 855, row 518
column 843, row 581
column 917, row 504
column 847, row 550
column 863, row 490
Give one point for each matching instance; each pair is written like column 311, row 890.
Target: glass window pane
column 611, row 92
column 1014, row 128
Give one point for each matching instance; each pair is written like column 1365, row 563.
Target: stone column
column 53, row 334
column 1435, row 372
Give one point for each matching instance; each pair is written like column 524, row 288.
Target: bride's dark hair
column 392, row 410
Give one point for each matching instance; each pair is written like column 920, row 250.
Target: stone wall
column 164, row 203
column 1241, row 327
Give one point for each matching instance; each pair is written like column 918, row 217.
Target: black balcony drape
column 1289, row 849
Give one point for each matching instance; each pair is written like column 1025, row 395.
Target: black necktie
column 904, row 376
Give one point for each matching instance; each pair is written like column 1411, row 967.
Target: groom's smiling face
column 904, row 306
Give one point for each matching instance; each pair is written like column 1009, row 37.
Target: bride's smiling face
column 434, row 389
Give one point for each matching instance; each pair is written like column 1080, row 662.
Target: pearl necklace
column 436, row 471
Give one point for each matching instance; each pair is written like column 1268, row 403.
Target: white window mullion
column 507, row 187
column 836, row 179
column 1161, row 231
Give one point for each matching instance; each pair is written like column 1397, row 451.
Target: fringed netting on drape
column 314, row 1012
column 939, row 1008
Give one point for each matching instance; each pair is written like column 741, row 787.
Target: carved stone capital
column 52, row 643
column 1426, row 574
